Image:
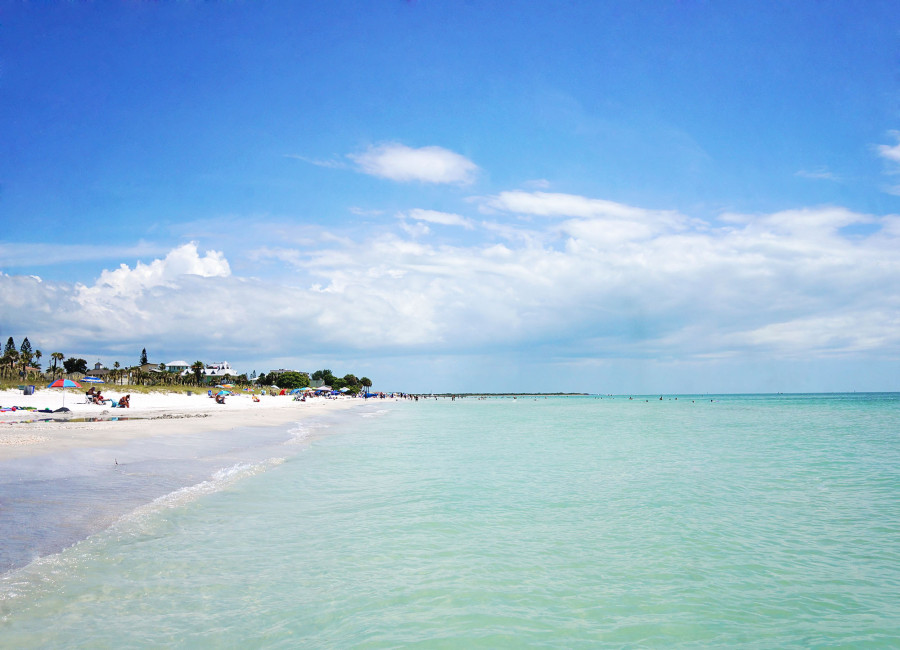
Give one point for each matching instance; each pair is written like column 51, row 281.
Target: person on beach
column 220, row 399
column 125, row 402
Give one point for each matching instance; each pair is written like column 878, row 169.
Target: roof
column 178, row 363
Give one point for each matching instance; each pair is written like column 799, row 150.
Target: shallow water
column 760, row 521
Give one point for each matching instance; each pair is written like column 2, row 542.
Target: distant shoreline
column 504, row 394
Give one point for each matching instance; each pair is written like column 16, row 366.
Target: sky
column 459, row 196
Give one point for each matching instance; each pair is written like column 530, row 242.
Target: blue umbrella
column 92, row 380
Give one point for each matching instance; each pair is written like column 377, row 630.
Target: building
column 178, row 366
column 214, row 373
column 99, row 371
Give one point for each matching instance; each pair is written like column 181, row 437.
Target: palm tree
column 56, row 356
column 12, row 358
column 37, row 359
column 115, row 372
column 197, row 368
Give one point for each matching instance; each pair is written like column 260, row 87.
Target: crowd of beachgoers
column 53, row 419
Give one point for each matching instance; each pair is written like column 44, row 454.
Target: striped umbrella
column 64, row 383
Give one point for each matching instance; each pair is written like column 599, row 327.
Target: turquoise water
column 759, row 521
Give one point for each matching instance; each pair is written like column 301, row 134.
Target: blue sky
column 607, row 197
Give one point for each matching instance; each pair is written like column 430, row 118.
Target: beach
column 70, row 475
column 25, row 433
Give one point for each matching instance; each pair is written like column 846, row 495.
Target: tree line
column 24, row 363
column 292, row 379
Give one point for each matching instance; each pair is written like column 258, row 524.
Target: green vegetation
column 16, row 369
column 286, row 379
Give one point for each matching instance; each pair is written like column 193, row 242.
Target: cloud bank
column 599, row 281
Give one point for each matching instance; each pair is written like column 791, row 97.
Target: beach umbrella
column 64, row 383
column 92, row 380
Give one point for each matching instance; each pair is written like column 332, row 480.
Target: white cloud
column 547, row 204
column 362, row 212
column 182, row 261
column 820, row 174
column 832, row 334
column 415, row 230
column 441, row 218
column 609, row 281
column 398, row 162
column 318, row 162
column 890, row 152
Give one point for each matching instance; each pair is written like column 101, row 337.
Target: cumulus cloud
column 398, row 162
column 605, row 280
column 182, row 261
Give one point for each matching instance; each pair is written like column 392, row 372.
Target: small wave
column 42, row 572
column 302, row 432
column 376, row 414
column 220, row 479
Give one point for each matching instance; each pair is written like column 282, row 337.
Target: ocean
column 760, row 521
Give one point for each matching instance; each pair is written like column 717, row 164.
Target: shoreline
column 64, row 480
column 27, row 433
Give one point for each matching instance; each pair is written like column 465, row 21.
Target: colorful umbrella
column 92, row 380
column 64, row 383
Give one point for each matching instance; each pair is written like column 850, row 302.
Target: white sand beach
column 25, row 433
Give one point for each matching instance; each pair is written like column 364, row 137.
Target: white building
column 213, row 373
